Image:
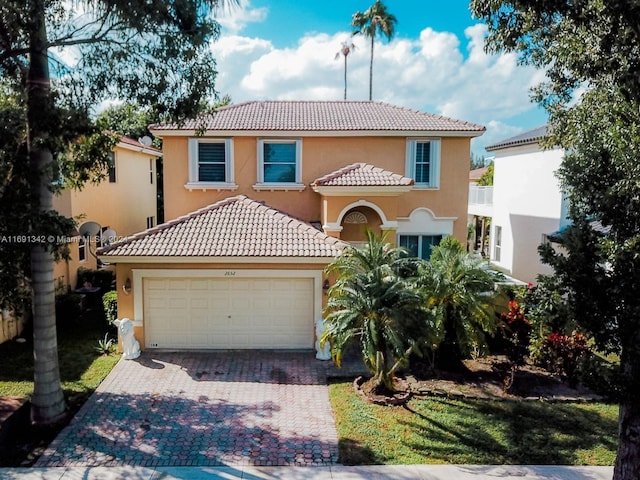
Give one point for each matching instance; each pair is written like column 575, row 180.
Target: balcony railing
column 480, row 195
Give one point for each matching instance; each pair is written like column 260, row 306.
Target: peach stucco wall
column 122, row 206
column 322, row 155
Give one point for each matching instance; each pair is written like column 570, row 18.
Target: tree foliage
column 129, row 119
column 370, row 303
column 458, row 289
column 589, row 49
column 486, row 180
column 373, row 21
column 59, row 60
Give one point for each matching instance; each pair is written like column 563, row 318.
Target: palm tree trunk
column 345, row 77
column 47, row 402
column 449, row 355
column 371, row 70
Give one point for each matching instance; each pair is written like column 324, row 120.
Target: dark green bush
column 110, row 304
column 601, row 375
column 103, row 278
column 68, row 308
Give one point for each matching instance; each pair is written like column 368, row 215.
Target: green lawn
column 81, row 367
column 441, row 430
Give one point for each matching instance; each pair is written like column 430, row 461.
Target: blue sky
column 285, row 49
column 289, row 20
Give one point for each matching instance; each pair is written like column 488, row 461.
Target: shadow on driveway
column 204, row 409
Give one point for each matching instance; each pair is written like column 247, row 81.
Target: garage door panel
column 239, row 313
column 202, row 285
column 178, row 284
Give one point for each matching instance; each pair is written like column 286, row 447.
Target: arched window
column 355, row 217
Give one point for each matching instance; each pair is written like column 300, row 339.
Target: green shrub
column 102, row 278
column 110, row 304
column 562, row 354
column 601, row 375
column 105, row 345
column 68, row 308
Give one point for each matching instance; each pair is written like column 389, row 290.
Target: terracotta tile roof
column 234, row 227
column 323, row 116
column 477, row 173
column 362, row 175
column 525, row 138
column 138, row 145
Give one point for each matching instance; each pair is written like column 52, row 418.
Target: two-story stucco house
column 528, row 203
column 262, row 195
column 125, row 202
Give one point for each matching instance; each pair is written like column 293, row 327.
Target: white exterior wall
column 527, row 203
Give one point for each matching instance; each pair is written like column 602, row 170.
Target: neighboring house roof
column 131, row 144
column 596, row 225
column 234, row 227
column 362, row 175
column 476, row 174
column 525, row 138
column 322, row 116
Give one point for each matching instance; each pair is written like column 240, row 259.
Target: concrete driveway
column 204, row 409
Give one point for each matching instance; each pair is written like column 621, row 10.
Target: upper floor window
column 497, row 246
column 279, row 161
column 82, row 249
column 423, row 162
column 112, row 167
column 419, row 245
column 210, row 161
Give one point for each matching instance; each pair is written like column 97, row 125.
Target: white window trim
column 82, row 250
column 435, row 146
column 113, row 164
column 497, row 243
column 261, row 184
column 194, row 183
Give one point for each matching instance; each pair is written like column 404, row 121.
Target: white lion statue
column 129, row 343
column 322, row 352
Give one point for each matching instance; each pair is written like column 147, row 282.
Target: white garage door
column 228, row 313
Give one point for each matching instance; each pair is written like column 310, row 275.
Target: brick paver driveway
column 209, row 408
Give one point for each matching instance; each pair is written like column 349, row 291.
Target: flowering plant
column 516, row 329
column 562, row 353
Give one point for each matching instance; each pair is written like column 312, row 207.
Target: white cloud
column 234, row 19
column 496, row 131
column 429, row 74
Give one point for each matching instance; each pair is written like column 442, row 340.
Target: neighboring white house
column 479, row 210
column 527, row 203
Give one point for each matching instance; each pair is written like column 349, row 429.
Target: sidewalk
column 337, row 472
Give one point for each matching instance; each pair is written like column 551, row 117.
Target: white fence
column 10, row 325
column 480, row 195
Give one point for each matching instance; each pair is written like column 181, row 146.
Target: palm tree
column 374, row 19
column 346, row 49
column 459, row 290
column 370, row 303
column 26, row 60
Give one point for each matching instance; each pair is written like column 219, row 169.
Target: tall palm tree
column 459, row 289
column 370, row 303
column 26, row 60
column 346, row 49
column 375, row 19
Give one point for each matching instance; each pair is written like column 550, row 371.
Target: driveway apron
column 204, row 408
